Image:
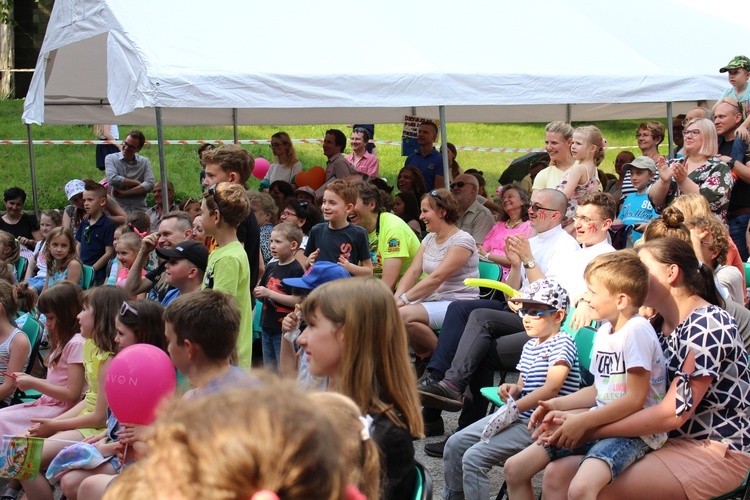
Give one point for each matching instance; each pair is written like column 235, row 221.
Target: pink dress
column 590, row 186
column 16, row 420
column 494, row 242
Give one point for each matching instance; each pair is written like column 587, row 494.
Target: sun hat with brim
column 546, row 293
column 73, row 188
column 318, row 274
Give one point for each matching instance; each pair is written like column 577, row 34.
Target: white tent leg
column 32, row 167
column 670, row 132
column 162, row 160
column 444, row 147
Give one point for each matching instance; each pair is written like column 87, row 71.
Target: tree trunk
column 7, row 78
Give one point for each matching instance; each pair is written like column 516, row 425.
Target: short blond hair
column 233, row 203
column 236, row 442
column 620, row 272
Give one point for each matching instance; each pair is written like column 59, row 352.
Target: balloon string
column 125, row 454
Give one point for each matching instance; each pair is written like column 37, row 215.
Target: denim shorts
column 618, row 453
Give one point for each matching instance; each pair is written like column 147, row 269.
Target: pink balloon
column 138, row 379
column 261, row 168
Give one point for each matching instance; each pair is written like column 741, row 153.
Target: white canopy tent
column 233, row 61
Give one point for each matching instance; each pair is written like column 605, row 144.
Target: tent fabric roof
column 346, row 62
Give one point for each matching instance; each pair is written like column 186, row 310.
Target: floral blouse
column 715, row 181
column 711, row 334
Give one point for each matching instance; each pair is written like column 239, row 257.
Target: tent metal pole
column 234, row 125
column 568, row 113
column 32, row 167
column 670, row 130
column 162, row 160
column 444, row 146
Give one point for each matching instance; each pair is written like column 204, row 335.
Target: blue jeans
column 37, row 282
column 737, row 230
column 618, row 453
column 271, row 350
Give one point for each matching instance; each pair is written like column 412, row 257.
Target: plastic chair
column 488, row 270
column 423, row 487
column 21, row 265
column 33, row 330
column 87, row 277
column 747, row 274
column 742, row 491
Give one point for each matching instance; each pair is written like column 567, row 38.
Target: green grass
column 57, row 164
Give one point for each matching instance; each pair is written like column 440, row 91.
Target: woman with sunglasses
column 446, row 257
column 701, row 171
column 285, row 163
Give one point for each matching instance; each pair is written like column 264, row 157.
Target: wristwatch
column 530, row 264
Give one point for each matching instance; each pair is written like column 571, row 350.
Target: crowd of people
column 359, row 296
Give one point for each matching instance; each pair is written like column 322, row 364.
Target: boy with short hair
column 629, row 374
column 637, row 210
column 278, row 299
column 232, row 163
column 202, row 331
column 185, row 267
column 548, row 366
column 337, row 240
column 223, row 208
column 95, row 235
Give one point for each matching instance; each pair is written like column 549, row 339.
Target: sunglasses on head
column 127, row 308
column 212, row 192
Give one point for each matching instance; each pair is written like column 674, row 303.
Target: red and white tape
column 263, row 142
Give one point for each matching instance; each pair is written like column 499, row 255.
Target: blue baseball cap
column 318, row 274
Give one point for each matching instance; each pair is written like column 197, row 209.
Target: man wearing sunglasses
column 475, row 219
column 130, row 174
column 155, row 213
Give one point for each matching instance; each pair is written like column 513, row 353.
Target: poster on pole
column 409, row 143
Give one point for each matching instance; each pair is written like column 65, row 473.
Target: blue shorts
column 618, row 453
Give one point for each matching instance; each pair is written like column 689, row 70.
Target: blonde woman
column 285, row 163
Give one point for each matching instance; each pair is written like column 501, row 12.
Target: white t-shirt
column 634, row 345
column 553, row 250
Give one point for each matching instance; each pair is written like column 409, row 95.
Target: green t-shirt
column 228, row 271
column 392, row 239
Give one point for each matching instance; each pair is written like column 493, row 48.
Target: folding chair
column 423, row 488
column 33, row 330
column 87, row 277
column 742, row 491
column 21, row 265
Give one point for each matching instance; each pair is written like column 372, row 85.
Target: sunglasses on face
column 533, row 313
column 458, row 184
column 536, row 207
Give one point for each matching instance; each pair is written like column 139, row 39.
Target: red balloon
column 261, row 168
column 315, row 177
column 138, row 380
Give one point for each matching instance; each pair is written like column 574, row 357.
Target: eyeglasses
column 690, row 133
column 212, row 192
column 277, row 144
column 87, row 234
column 127, row 308
column 125, row 145
column 584, row 220
column 459, row 184
column 536, row 207
column 533, row 313
column 286, row 214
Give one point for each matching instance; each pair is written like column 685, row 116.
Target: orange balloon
column 315, row 177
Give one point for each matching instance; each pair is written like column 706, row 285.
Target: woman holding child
column 705, row 408
column 446, row 256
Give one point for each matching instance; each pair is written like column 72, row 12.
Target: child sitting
column 128, row 246
column 225, row 206
column 629, row 374
column 548, row 368
column 10, row 252
column 36, row 273
column 337, row 240
column 637, row 210
column 278, row 298
column 14, row 345
column 202, row 330
column 62, row 262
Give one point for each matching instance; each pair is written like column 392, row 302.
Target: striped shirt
column 536, row 360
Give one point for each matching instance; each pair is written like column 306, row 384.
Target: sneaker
column 420, row 365
column 435, row 449
column 440, row 395
column 434, row 428
column 425, row 380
